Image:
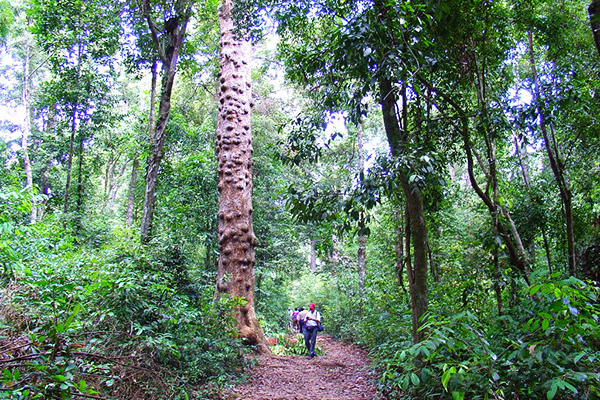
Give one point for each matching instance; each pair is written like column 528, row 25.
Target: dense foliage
column 498, row 102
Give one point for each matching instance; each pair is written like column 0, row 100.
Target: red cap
column 312, row 305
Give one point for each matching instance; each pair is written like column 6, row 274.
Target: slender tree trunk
column 313, row 256
column 361, row 256
column 525, row 170
column 556, row 164
column 26, row 100
column 132, row 182
column 136, row 162
column 399, row 249
column 594, row 12
column 170, row 55
column 335, row 252
column 115, row 186
column 106, row 179
column 79, row 203
column 70, row 159
column 235, row 276
column 415, row 213
column 513, row 253
column 74, row 117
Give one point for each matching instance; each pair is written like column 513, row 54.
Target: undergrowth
column 115, row 321
column 292, row 345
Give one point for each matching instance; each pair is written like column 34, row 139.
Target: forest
column 177, row 175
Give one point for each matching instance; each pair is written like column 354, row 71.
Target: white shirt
column 314, row 315
column 302, row 315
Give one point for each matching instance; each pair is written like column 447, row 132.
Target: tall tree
column 81, row 38
column 343, row 52
column 234, row 153
column 168, row 32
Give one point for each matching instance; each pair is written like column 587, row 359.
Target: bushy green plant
column 546, row 348
column 117, row 320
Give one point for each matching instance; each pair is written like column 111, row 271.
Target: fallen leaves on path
column 342, row 373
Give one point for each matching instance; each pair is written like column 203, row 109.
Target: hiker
column 301, row 321
column 312, row 321
column 295, row 320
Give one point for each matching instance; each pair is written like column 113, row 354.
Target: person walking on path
column 301, row 319
column 295, row 324
column 312, row 320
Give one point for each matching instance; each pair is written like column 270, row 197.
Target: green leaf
column 579, row 357
column 570, row 387
column 552, row 392
column 545, row 324
column 534, row 289
column 446, row 376
column 415, row 379
column 458, row 395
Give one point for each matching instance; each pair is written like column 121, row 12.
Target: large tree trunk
column 175, row 29
column 556, row 164
column 414, row 211
column 236, row 237
column 594, row 12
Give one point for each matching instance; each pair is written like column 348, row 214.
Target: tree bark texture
column 594, row 13
column 174, row 32
column 235, row 276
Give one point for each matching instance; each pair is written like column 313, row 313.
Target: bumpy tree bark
column 594, row 12
column 236, row 237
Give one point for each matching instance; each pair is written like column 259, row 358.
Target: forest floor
column 340, row 373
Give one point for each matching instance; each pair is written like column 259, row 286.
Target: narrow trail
column 342, row 373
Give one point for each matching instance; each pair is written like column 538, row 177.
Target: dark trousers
column 310, row 339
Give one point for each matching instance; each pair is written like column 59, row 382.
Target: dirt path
column 340, row 374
